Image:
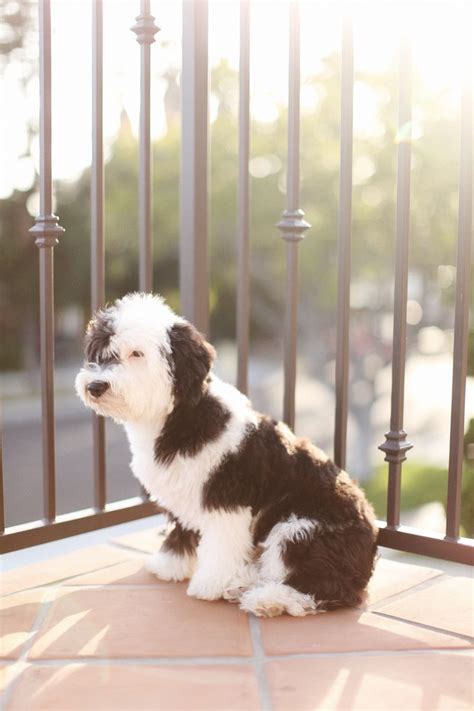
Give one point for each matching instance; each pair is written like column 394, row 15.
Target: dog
column 259, row 516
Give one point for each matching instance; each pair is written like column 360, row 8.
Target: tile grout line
column 48, row 598
column 64, row 583
column 61, row 581
column 153, row 585
column 160, row 537
column 129, row 549
column 422, row 625
column 259, row 659
column 429, row 582
column 232, row 661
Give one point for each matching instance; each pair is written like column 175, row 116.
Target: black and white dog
column 260, row 516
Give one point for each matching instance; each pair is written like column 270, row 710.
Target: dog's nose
column 97, row 388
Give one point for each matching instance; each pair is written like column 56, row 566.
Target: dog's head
column 141, row 360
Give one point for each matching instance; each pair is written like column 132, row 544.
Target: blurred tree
column 17, row 316
column 433, row 221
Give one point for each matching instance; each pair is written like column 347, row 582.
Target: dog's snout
column 97, row 388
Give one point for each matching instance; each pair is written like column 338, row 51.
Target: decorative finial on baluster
column 46, row 230
column 292, row 225
column 145, row 28
column 395, row 446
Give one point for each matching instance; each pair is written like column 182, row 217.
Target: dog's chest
column 178, row 486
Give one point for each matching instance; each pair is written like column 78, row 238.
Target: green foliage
column 434, row 210
column 423, row 484
column 467, row 508
column 470, row 353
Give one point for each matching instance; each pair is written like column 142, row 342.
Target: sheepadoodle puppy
column 260, row 516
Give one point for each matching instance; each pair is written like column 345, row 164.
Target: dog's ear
column 191, row 360
column 98, row 334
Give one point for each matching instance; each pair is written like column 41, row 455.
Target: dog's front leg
column 176, row 558
column 223, row 553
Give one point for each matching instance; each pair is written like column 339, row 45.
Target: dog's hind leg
column 176, row 559
column 307, row 567
column 270, row 596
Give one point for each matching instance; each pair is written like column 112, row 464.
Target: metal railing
column 194, row 263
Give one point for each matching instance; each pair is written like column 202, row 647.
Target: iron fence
column 194, row 263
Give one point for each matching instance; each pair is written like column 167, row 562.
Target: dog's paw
column 233, row 593
column 205, row 588
column 168, row 566
column 273, row 599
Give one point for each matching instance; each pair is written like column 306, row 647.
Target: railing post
column 194, row 286
column 243, row 262
column 145, row 30
column 46, row 231
column 97, row 232
column 344, row 246
column 292, row 225
column 2, row 496
column 461, row 321
column 395, row 445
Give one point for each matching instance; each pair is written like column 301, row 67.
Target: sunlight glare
column 435, row 28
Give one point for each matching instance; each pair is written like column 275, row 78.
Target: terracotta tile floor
column 93, row 630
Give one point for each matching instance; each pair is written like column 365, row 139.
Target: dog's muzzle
column 97, row 388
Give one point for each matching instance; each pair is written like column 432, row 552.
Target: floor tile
column 18, row 612
column 78, row 687
column 447, row 604
column 140, row 622
column 433, row 682
column 10, row 672
column 147, row 541
column 131, row 572
column 347, row 631
column 392, row 577
column 60, row 567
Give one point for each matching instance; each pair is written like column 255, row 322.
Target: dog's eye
column 137, row 354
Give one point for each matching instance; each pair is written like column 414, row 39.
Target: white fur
column 272, row 599
column 140, row 322
column 225, row 537
column 223, row 553
column 168, row 566
column 272, row 567
column 178, row 486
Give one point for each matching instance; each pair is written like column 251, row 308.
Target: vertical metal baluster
column 396, row 445
column 2, row 497
column 461, row 323
column 292, row 225
column 97, row 231
column 145, row 29
column 194, row 282
column 46, row 231
column 243, row 263
column 344, row 245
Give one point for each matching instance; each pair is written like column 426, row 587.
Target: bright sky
column 436, row 28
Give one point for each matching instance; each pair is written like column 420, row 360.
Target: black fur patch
column 190, row 360
column 180, row 541
column 279, row 477
column 333, row 565
column 189, row 428
column 98, row 335
column 197, row 418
